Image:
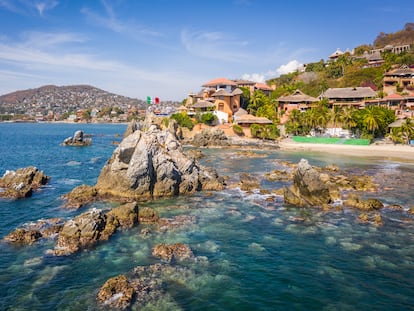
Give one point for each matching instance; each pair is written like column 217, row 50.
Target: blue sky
column 169, row 48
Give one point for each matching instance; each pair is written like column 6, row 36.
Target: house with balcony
column 349, row 96
column 399, row 80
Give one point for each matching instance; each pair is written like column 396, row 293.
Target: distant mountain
column 401, row 37
column 63, row 99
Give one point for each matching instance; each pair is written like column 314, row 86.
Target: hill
column 63, row 99
column 401, row 37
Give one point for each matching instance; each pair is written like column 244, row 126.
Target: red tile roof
column 262, row 86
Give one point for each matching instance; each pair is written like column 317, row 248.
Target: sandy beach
column 386, row 151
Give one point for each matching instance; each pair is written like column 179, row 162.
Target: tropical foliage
column 183, row 120
column 208, row 118
column 269, row 131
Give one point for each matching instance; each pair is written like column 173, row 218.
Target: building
column 297, row 101
column 349, row 96
column 399, row 80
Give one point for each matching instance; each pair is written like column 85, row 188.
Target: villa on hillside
column 222, row 97
column 399, row 80
column 349, row 96
column 298, row 100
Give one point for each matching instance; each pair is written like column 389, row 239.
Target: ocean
column 258, row 254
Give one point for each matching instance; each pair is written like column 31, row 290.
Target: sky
column 169, row 48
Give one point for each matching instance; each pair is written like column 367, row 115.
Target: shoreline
column 387, row 151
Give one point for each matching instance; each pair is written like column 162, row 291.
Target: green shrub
column 257, row 131
column 272, row 131
column 208, row 118
column 237, row 129
column 183, row 120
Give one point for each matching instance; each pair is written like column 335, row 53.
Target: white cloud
column 110, row 21
column 42, row 6
column 214, row 45
column 291, row 66
column 22, row 6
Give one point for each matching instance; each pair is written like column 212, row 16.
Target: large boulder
column 21, row 183
column 78, row 139
column 152, row 164
column 210, row 137
column 117, row 293
column 310, row 188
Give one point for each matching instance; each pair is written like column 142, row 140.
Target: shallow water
column 258, row 255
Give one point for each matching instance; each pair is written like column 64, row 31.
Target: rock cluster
column 309, row 188
column 210, row 137
column 28, row 234
column 78, row 139
column 86, row 229
column 21, row 183
column 152, row 164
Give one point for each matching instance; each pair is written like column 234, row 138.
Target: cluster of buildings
column 223, row 98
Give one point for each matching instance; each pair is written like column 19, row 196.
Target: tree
column 208, row 118
column 407, row 130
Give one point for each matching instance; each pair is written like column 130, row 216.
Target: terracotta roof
column 297, row 97
column 222, row 92
column 203, row 104
column 263, row 87
column 248, row 118
column 394, row 96
column 349, row 92
column 219, row 81
column 182, row 108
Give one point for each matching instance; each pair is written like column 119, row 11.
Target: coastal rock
column 309, row 187
column 147, row 215
column 248, row 182
column 80, row 196
column 81, row 232
column 86, row 229
column 21, row 183
column 179, row 221
column 117, row 292
column 131, row 128
column 78, row 139
column 369, row 204
column 30, row 233
column 152, row 164
column 210, row 137
column 173, row 252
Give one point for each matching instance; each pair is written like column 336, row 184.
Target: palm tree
column 395, row 135
column 348, row 117
column 335, row 116
column 407, row 130
column 372, row 118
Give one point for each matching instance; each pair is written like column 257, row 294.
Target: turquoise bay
column 260, row 255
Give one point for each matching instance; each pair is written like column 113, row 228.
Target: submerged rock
column 173, row 252
column 152, row 164
column 21, row 183
column 248, row 182
column 78, row 139
column 30, row 233
column 117, row 292
column 369, row 204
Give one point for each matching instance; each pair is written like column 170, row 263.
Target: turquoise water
column 258, row 255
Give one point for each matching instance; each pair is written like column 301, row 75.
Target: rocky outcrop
column 368, row 204
column 152, row 164
column 173, row 252
column 21, row 183
column 80, row 196
column 248, row 182
column 93, row 226
column 210, row 137
column 30, row 233
column 78, row 139
column 310, row 188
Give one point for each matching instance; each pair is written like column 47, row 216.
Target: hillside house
column 298, row 100
column 399, row 80
column 349, row 96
